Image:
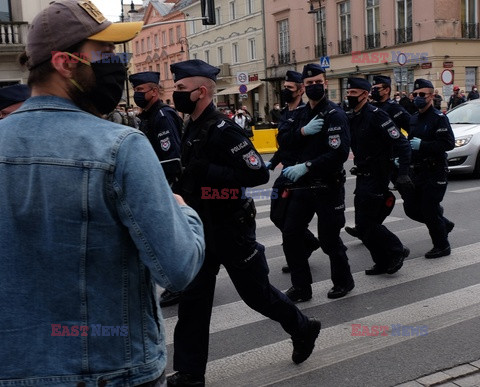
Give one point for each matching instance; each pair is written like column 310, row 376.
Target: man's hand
column 415, row 143
column 295, row 172
column 404, row 184
column 313, row 127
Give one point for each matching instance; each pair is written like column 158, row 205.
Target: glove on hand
column 313, row 127
column 415, row 143
column 295, row 172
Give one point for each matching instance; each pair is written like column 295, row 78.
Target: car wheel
column 476, row 171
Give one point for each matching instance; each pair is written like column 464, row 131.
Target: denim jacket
column 88, row 225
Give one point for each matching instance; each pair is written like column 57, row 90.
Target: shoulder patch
column 165, row 144
column 334, row 141
column 252, row 160
column 393, row 132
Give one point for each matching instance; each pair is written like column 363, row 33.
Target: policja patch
column 393, row 132
column 252, row 160
column 165, row 144
column 334, row 141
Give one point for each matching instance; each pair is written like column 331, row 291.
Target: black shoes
column 352, row 231
column 339, row 292
column 169, row 298
column 375, row 270
column 397, row 262
column 437, row 253
column 299, row 294
column 303, row 344
column 286, row 269
column 180, row 379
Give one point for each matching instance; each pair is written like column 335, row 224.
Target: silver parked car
column 465, row 121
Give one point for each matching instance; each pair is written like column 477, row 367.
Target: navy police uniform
column 397, row 112
column 429, row 171
column 11, row 95
column 320, row 191
column 219, row 160
column 162, row 126
column 375, row 139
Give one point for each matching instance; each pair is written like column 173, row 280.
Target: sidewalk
column 465, row 375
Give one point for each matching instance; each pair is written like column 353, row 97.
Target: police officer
column 322, row 141
column 11, row 98
column 219, row 160
column 375, row 139
column 380, row 93
column 286, row 154
column 430, row 137
column 162, row 126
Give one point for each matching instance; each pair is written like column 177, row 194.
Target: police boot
column 299, row 294
column 181, row 379
column 304, row 343
column 352, row 231
column 397, row 262
column 437, row 252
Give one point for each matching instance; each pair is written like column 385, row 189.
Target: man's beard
column 85, row 77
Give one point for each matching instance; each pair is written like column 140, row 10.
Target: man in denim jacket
column 88, row 223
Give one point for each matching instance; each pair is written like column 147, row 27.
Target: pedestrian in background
column 431, row 136
column 11, row 98
column 96, row 225
column 322, row 140
column 375, row 140
column 473, row 94
column 456, row 98
column 437, row 100
column 275, row 113
column 218, row 157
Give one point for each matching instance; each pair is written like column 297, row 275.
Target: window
column 232, row 10
column 164, row 38
column 470, row 77
column 372, row 39
column 178, row 33
column 218, row 15
column 252, row 51
column 137, row 48
column 171, row 38
column 321, row 28
column 403, row 33
column 158, row 68
column 220, row 55
column 235, row 53
column 193, row 28
column 165, row 70
column 5, row 14
column 283, row 42
column 469, row 19
column 345, row 42
column 207, row 56
column 149, row 45
column 250, row 7
column 156, row 41
column 143, row 46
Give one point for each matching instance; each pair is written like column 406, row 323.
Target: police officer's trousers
column 423, row 205
column 251, row 281
column 329, row 205
column 369, row 201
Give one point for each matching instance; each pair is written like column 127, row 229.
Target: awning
column 234, row 89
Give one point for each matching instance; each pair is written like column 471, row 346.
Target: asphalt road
column 441, row 298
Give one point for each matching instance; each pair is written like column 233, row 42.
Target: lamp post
column 122, row 19
column 183, row 40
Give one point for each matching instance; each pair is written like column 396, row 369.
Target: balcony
column 284, row 58
column 403, row 35
column 470, row 30
column 13, row 34
column 345, row 46
column 321, row 48
column 372, row 41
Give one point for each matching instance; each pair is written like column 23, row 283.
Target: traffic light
column 208, row 11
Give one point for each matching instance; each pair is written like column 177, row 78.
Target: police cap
column 11, row 95
column 421, row 83
column 145, row 77
column 379, row 79
column 293, row 76
column 358, row 83
column 193, row 68
column 312, row 70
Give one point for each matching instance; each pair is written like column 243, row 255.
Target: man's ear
column 63, row 64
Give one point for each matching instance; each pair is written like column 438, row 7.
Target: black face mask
column 315, row 92
column 352, row 101
column 110, row 81
column 140, row 100
column 287, row 95
column 182, row 101
column 376, row 94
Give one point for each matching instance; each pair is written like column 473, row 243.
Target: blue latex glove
column 396, row 162
column 313, row 127
column 415, row 143
column 268, row 164
column 295, row 172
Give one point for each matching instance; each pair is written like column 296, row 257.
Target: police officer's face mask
column 110, row 74
column 140, row 100
column 353, row 101
column 315, row 92
column 183, row 102
column 287, row 95
column 420, row 102
column 376, row 94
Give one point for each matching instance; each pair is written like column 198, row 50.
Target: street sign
column 242, row 78
column 401, row 59
column 243, row 89
column 243, row 96
column 447, row 65
column 325, row 62
column 447, row 77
